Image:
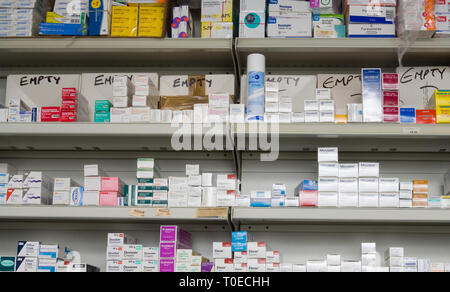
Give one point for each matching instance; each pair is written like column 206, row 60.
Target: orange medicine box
column 420, row 201
column 420, row 187
column 426, row 116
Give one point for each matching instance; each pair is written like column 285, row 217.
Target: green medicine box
column 7, row 264
column 102, row 105
column 102, row 117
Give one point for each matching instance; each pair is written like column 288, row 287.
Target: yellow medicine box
column 441, row 103
column 217, row 11
column 151, row 20
column 443, row 115
column 52, row 17
column 440, row 98
column 124, row 21
column 223, row 30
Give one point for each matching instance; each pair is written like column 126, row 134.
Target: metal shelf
column 114, row 52
column 18, row 215
column 344, row 52
column 361, row 137
column 91, row 136
column 157, row 137
column 343, row 220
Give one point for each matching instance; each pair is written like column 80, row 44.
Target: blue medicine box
column 65, row 29
column 239, row 236
column 309, row 185
column 408, row 115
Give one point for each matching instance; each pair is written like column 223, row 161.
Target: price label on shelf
column 137, row 213
column 411, row 131
column 163, row 212
column 212, row 213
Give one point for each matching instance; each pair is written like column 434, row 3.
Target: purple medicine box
column 168, row 250
column 172, row 233
column 167, row 265
column 207, row 267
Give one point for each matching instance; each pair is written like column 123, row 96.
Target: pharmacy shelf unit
column 343, row 220
column 40, row 54
column 23, row 216
column 316, row 53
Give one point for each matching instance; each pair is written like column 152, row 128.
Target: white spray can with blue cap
column 256, row 71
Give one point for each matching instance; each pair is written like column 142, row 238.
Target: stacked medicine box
column 333, row 263
column 74, row 107
column 122, row 253
column 389, row 189
column 111, row 192
column 223, row 257
column 67, row 192
column 365, row 19
column 194, row 180
column 406, row 194
column 288, row 18
column 178, row 192
column 441, row 104
column 368, row 256
column 140, row 110
column 48, row 257
column 172, row 238
column 348, row 185
column 123, row 91
column 37, row 188
column 93, row 176
column 27, row 256
column 102, row 111
column 394, row 259
column 209, row 191
column 410, row 265
column 146, row 171
column 369, row 173
column 316, row 266
column 218, row 109
column 278, row 195
column 69, row 18
column 15, row 190
column 328, row 177
column 217, row 18
column 322, row 109
column 420, row 194
column 6, row 171
column 277, row 108
column 21, row 18
column 391, row 113
column 308, row 194
column 252, row 19
column 239, row 250
column 227, row 185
